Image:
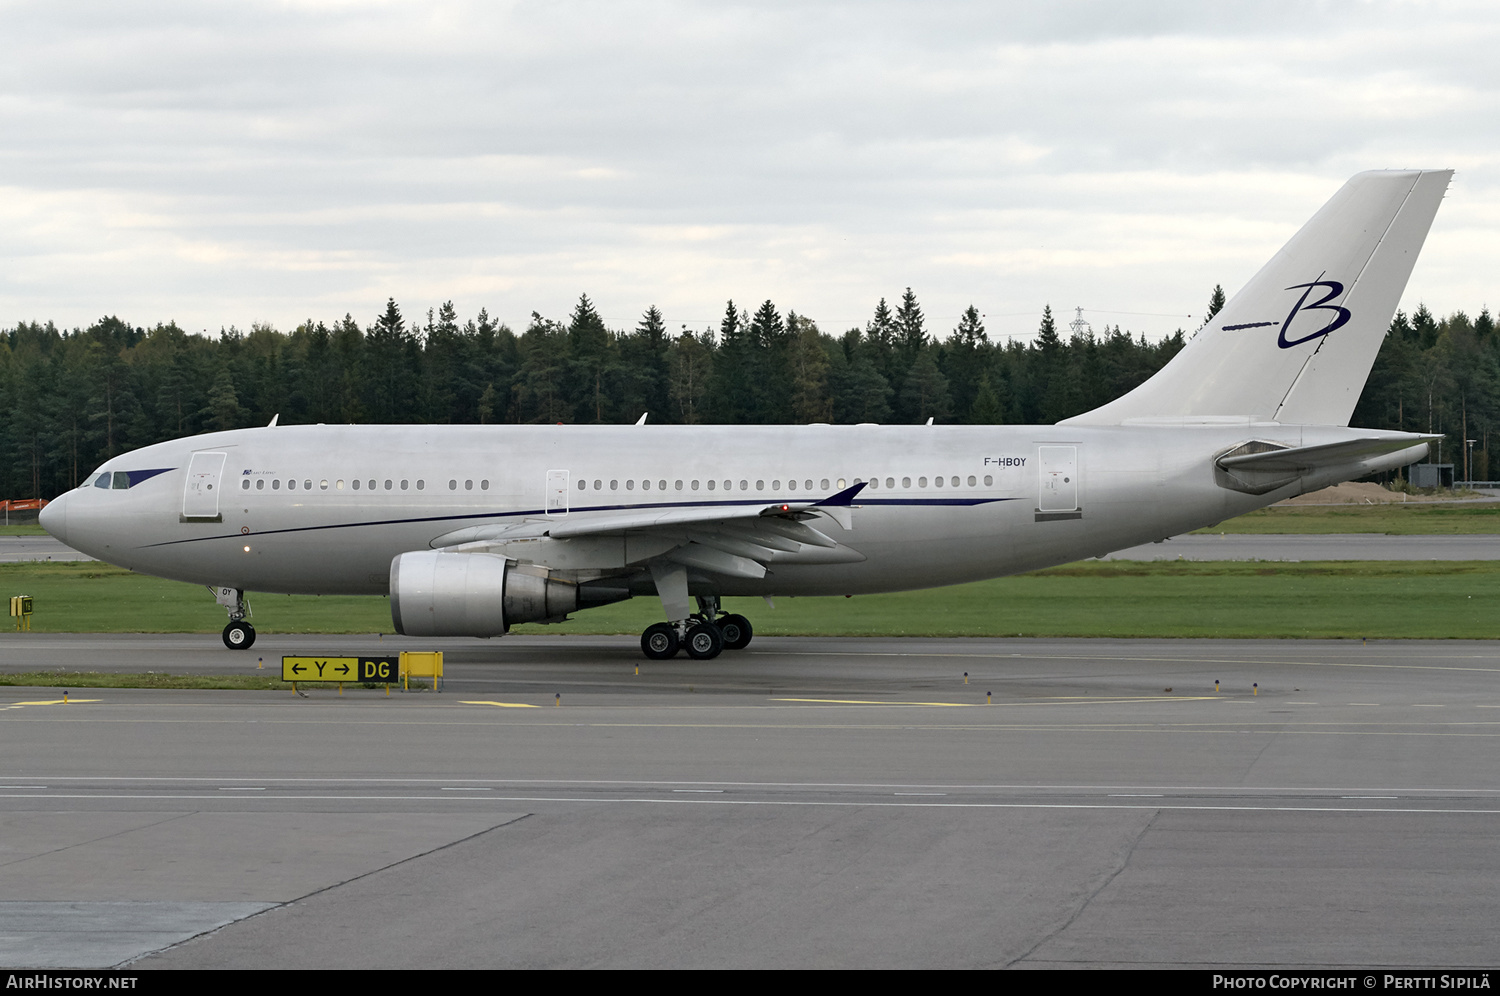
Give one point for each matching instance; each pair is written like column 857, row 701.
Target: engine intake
column 434, row 593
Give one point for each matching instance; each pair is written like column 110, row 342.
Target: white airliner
column 471, row 529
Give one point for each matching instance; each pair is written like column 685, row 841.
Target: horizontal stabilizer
column 1259, row 467
column 1304, row 458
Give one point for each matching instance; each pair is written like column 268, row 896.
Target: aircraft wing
column 734, row 540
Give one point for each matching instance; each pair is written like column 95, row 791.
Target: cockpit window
column 123, row 480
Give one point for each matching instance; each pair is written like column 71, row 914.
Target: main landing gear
column 239, row 634
column 703, row 635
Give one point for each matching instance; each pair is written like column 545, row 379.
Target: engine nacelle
column 434, row 593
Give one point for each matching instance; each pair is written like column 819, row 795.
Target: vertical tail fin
column 1297, row 343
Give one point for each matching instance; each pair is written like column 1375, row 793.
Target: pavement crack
column 316, row 892
column 1256, row 759
column 92, row 840
column 1124, row 863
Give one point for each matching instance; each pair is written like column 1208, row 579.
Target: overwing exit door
column 557, row 492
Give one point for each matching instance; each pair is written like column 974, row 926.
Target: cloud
column 271, row 161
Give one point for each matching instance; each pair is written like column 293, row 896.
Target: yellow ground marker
column 953, row 705
column 502, row 705
column 54, row 702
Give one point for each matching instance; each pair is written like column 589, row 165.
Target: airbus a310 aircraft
column 471, row 529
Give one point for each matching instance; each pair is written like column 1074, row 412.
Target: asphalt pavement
column 804, row 803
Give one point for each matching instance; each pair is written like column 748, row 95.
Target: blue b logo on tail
column 1342, row 314
column 1340, row 317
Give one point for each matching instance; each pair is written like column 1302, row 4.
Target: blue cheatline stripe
column 137, row 476
column 522, row 513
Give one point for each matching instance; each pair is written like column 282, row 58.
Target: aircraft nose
column 54, row 518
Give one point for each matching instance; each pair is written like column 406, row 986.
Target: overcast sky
column 219, row 164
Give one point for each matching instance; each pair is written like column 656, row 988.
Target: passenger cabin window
column 421, row 485
column 260, row 485
column 244, row 484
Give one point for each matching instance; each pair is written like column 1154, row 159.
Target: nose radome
column 54, row 518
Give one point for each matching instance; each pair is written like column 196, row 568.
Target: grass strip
column 1394, row 519
column 1343, row 599
column 151, row 679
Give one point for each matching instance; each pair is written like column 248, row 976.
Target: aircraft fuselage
column 324, row 509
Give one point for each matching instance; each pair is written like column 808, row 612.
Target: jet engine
column 434, row 593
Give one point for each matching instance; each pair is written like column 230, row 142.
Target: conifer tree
column 1215, row 303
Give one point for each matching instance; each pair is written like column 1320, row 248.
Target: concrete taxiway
column 807, row 802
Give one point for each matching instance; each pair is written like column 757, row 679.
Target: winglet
column 272, row 424
column 844, row 497
column 642, row 419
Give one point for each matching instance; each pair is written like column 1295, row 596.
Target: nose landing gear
column 239, row 634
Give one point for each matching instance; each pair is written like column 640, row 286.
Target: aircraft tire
column 239, row 635
column 704, row 642
column 736, row 630
column 659, row 642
